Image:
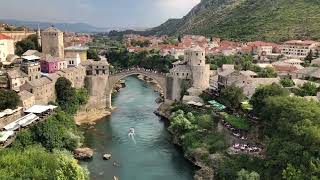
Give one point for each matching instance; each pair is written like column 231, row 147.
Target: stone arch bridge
column 160, row 78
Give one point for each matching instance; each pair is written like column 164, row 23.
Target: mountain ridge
column 270, row 20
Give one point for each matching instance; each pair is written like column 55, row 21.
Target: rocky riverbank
column 90, row 116
column 205, row 172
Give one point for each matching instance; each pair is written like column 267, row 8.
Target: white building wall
column 6, row 48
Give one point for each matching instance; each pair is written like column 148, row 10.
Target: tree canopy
column 232, row 96
column 258, row 98
column 8, row 99
column 308, row 89
column 30, row 43
column 286, row 82
column 93, row 54
column 35, row 162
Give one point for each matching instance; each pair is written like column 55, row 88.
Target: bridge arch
column 160, row 78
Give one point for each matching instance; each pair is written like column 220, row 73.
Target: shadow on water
column 152, row 156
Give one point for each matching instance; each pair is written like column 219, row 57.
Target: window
column 177, row 74
column 197, row 54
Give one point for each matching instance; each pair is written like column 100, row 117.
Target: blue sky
column 102, row 13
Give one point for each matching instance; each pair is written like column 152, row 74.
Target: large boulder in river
column 107, row 156
column 83, row 153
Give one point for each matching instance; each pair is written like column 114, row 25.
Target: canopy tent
column 28, row 119
column 39, row 109
column 4, row 135
column 21, row 122
column 217, row 105
column 9, row 112
column 12, row 126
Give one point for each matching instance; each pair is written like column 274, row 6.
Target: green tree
column 8, row 99
column 36, row 163
column 308, row 89
column 30, row 43
column 64, row 91
column 267, row 72
column 93, row 54
column 291, row 173
column 309, row 58
column 57, row 132
column 232, row 96
column 286, row 82
column 246, row 175
column 262, row 93
column 179, row 123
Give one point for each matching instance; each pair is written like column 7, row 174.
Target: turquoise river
column 150, row 155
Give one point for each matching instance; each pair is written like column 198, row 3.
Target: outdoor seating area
column 33, row 115
column 247, row 148
column 234, row 131
column 41, row 110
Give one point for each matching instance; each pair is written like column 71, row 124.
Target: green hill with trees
column 270, row 20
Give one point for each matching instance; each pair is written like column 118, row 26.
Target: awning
column 28, row 119
column 4, row 135
column 38, row 109
column 217, row 105
column 12, row 126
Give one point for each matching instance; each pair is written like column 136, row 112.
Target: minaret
column 39, row 36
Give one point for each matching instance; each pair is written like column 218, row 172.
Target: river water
column 150, row 155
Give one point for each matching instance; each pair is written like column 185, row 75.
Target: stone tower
column 52, row 42
column 196, row 58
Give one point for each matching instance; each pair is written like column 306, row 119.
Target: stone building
column 43, row 89
column 31, row 68
column 27, row 99
column 49, row 64
column 52, row 42
column 95, row 68
column 16, row 79
column 193, row 69
column 74, row 51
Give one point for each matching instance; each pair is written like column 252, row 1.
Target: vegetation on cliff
column 34, row 162
column 42, row 151
column 288, row 127
column 270, row 20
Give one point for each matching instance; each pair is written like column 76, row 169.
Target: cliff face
column 271, row 20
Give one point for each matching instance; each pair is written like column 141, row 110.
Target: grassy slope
column 271, row 20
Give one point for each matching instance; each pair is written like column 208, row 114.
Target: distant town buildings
column 298, row 48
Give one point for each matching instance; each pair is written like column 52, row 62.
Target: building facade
column 49, row 64
column 298, row 48
column 6, row 47
column 52, row 42
column 74, row 51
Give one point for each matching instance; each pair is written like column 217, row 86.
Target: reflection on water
column 151, row 156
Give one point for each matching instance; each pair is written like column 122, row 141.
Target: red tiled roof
column 288, row 68
column 2, row 37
